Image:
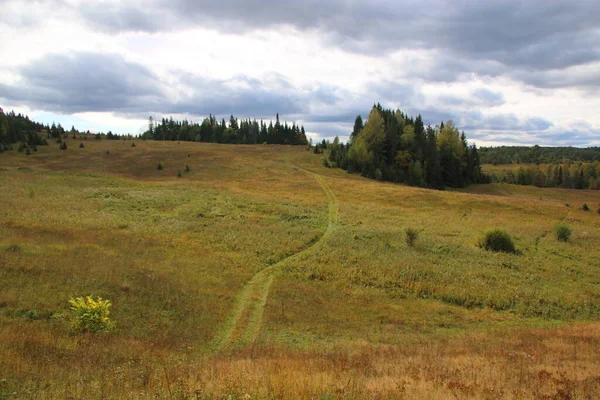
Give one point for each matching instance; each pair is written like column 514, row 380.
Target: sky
column 506, row 72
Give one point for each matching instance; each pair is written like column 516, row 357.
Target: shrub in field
column 133, row 144
column 179, row 173
column 81, row 146
column 497, row 240
column 63, row 145
column 187, row 168
column 562, row 232
column 160, row 166
column 411, row 236
column 585, row 207
column 90, row 315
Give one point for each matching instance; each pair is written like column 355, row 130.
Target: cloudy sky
column 507, row 72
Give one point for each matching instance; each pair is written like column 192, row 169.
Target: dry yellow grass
column 360, row 315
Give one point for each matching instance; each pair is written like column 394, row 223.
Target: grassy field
column 262, row 274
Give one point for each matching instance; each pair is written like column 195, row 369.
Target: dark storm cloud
column 515, row 38
column 89, row 82
column 84, row 82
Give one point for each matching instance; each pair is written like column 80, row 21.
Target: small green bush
column 585, row 207
column 133, row 144
column 90, row 315
column 497, row 240
column 187, row 168
column 562, row 232
column 411, row 236
column 179, row 173
column 81, row 146
column 160, row 166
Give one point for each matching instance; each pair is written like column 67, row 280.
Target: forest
column 536, row 154
column 568, row 175
column 236, row 132
column 394, row 147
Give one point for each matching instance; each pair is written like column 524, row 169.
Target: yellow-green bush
column 90, row 315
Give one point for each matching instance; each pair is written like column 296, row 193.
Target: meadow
column 259, row 273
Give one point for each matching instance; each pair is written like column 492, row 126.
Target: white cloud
column 317, row 66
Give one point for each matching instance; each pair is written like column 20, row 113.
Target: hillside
column 260, row 272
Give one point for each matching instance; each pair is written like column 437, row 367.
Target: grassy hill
column 259, row 273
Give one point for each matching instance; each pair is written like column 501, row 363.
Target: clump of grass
column 179, row 173
column 585, row 207
column 562, row 232
column 411, row 236
column 90, row 315
column 160, row 166
column 187, row 168
column 133, row 144
column 81, row 146
column 497, row 240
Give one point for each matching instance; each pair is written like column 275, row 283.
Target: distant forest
column 536, row 154
column 568, row 175
column 394, row 147
column 237, row 131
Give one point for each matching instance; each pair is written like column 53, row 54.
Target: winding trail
column 245, row 322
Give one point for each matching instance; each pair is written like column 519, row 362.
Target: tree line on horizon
column 211, row 130
column 394, row 147
column 568, row 175
column 537, row 154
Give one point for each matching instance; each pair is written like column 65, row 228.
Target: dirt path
column 245, row 322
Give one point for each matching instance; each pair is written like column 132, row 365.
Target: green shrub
column 187, row 168
column 81, row 146
column 497, row 240
column 562, row 232
column 90, row 315
column 585, row 207
column 411, row 236
column 179, row 173
column 160, row 166
column 133, row 144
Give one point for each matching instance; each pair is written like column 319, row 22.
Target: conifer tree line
column 19, row 128
column 568, row 175
column 243, row 131
column 394, row 147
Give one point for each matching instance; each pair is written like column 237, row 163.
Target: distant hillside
column 536, row 154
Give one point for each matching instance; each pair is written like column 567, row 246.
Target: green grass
column 257, row 248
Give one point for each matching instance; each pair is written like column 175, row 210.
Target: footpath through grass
column 302, row 270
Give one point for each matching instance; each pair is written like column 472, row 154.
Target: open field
column 262, row 273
